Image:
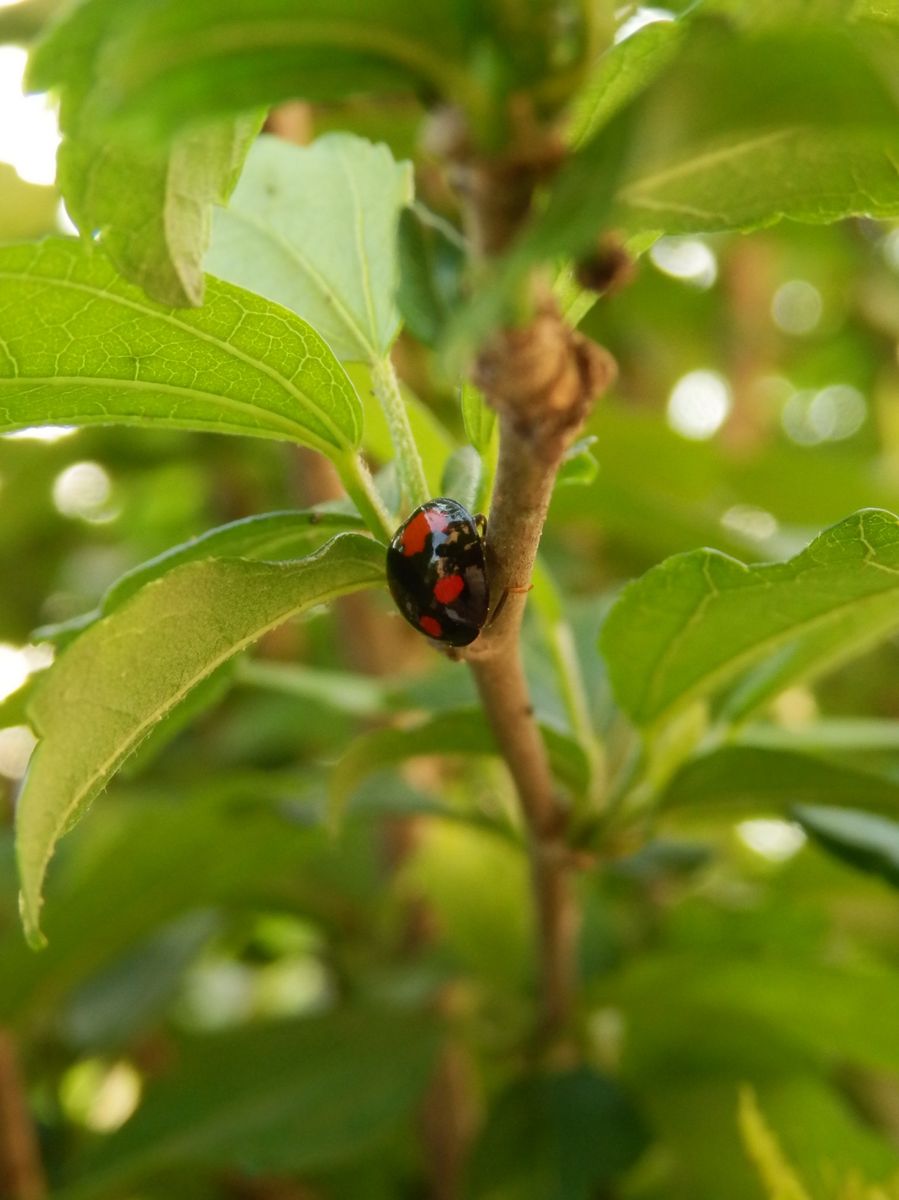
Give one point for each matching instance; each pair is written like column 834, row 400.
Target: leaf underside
column 126, row 673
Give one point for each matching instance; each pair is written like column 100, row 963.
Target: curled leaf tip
column 31, row 923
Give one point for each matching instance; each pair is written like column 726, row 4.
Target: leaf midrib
column 706, row 158
column 26, row 382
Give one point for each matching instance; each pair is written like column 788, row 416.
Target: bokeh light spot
column 831, row 414
column 890, row 248
column 83, row 490
column 17, row 743
column 699, row 404
column 750, row 522
column 100, row 1096
column 29, row 132
column 688, row 259
column 771, row 838
column 644, row 15
column 42, row 433
column 797, row 307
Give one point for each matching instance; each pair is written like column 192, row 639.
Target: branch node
column 545, row 378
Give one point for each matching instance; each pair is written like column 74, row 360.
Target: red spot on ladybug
column 434, row 560
column 415, row 534
column 448, row 588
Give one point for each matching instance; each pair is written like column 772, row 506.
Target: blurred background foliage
column 757, row 402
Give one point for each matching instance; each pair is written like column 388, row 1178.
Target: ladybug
column 437, row 572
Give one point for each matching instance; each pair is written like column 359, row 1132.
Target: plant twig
column 21, row 1173
column 360, row 487
column 542, row 380
column 411, row 472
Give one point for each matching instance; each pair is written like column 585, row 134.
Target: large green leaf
column 741, row 779
column 850, row 1020
column 125, row 674
column 273, row 536
column 745, row 182
column 150, row 207
column 864, row 840
column 80, row 346
column 166, row 65
column 697, row 620
column 315, row 229
column 295, row 1096
column 151, row 210
column 817, row 143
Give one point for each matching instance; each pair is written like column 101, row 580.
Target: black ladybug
column 437, row 572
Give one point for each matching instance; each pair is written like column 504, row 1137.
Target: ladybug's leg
column 480, row 524
column 514, row 591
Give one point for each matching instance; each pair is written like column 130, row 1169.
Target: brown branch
column 21, row 1172
column 542, row 380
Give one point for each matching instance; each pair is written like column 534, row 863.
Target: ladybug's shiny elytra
column 437, row 573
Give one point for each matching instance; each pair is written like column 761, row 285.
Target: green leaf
column 287, row 1097
column 861, row 839
column 431, row 262
column 851, row 1019
column 152, row 210
column 129, row 671
column 149, row 206
column 756, row 180
column 579, row 466
column 739, row 779
column 315, row 229
column 479, row 418
column 166, row 65
column 461, row 732
column 623, row 73
column 771, row 14
column 817, row 143
column 104, row 354
column 14, row 707
column 274, row 536
column 697, row 620
column 557, row 1137
column 463, row 477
